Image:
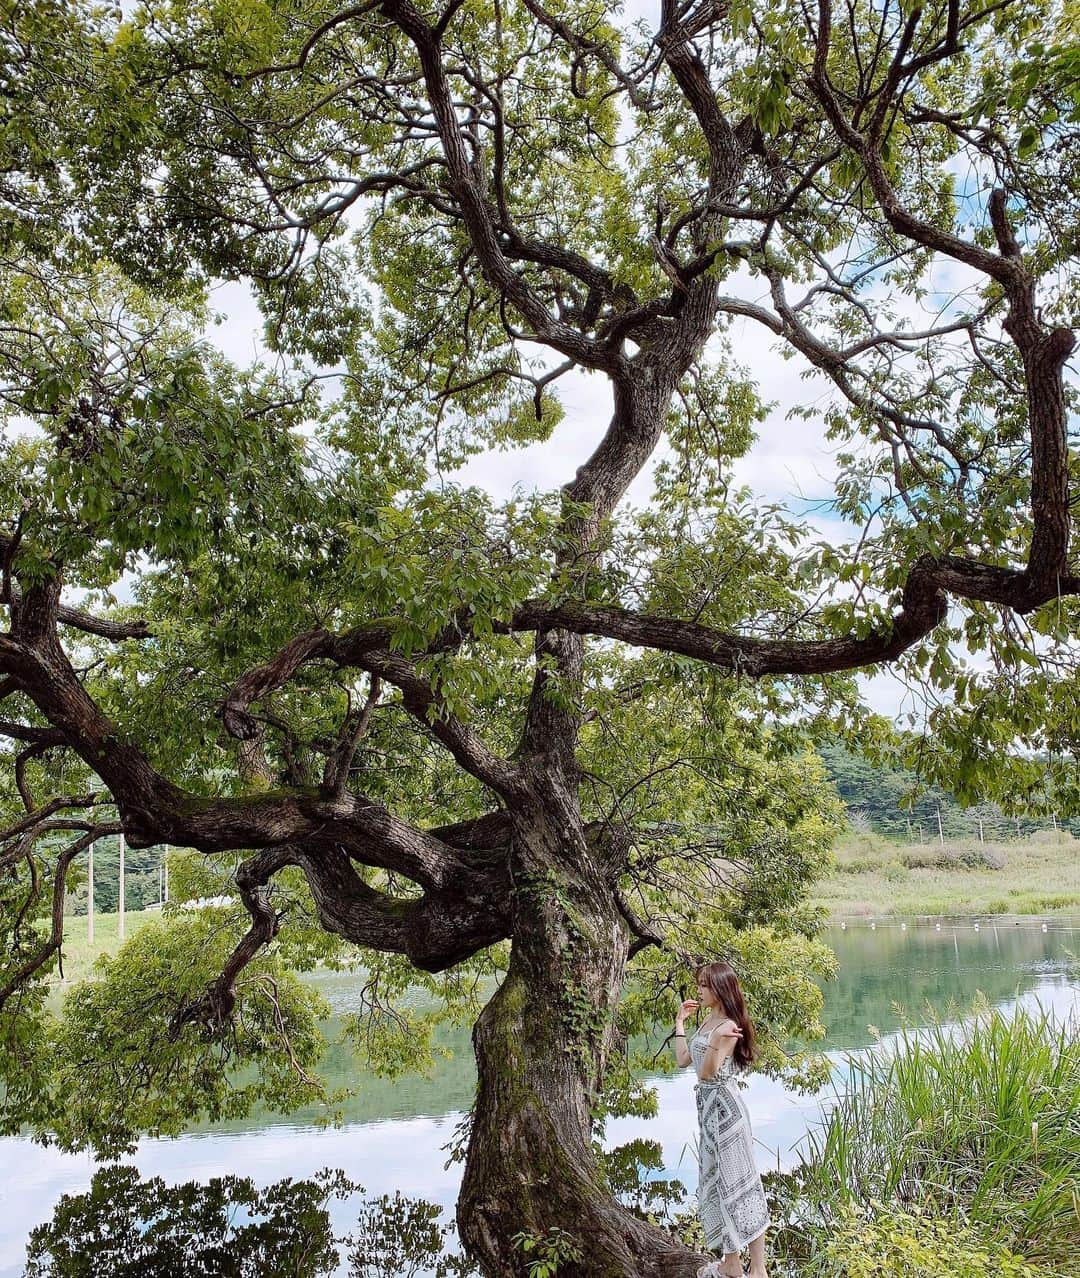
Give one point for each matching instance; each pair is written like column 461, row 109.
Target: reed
column 977, row 1121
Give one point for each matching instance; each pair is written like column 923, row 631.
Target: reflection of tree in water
column 229, row 1228
column 921, row 967
column 128, row 1227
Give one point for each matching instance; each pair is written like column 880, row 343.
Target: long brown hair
column 721, row 979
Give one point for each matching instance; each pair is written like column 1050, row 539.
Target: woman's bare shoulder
column 725, row 1027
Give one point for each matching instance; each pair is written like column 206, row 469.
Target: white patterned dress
column 731, row 1202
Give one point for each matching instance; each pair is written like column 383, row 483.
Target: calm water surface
column 394, row 1132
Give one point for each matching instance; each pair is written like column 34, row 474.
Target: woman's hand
column 686, row 1007
column 728, row 1030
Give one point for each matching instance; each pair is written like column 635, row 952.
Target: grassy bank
column 946, row 1135
column 1039, row 874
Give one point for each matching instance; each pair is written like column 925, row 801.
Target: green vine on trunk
column 552, row 1248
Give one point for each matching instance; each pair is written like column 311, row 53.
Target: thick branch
column 487, row 833
column 923, row 608
column 76, row 618
column 435, row 931
column 426, row 706
column 91, row 625
column 214, row 1007
column 367, row 648
column 690, row 75
column 43, row 737
column 480, row 219
column 867, row 147
column 154, row 810
column 33, row 819
column 1043, row 350
column 273, row 674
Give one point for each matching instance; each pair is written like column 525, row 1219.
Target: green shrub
column 997, row 906
column 899, row 1244
column 545, row 1253
column 952, row 856
column 859, row 865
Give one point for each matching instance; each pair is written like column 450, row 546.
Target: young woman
column 731, row 1201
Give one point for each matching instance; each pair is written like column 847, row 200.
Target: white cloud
column 239, row 335
column 887, row 694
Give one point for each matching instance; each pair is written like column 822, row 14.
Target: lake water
column 394, row 1132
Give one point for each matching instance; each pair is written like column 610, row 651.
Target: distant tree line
column 893, row 801
column 142, row 882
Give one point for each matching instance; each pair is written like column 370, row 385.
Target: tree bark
column 542, row 1046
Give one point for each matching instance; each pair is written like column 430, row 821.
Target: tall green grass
column 977, row 1121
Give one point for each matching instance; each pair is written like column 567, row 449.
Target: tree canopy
column 536, row 737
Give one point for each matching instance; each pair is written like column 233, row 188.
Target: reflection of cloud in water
column 406, row 1153
column 781, row 1118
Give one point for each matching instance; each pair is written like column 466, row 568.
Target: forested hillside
column 893, row 802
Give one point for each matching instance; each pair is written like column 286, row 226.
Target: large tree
column 548, row 737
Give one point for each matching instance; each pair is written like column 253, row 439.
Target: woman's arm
column 722, row 1042
column 682, row 1056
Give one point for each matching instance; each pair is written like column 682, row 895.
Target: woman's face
column 706, row 997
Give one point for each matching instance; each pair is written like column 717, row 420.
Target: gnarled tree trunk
column 542, row 1045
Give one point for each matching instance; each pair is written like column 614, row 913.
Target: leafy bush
column 898, row 1244
column 545, row 1253
column 859, row 865
column 954, row 856
column 160, row 1079
column 927, row 858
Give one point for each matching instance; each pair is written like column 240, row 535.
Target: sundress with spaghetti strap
column 731, row 1201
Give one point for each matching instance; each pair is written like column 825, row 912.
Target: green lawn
column 79, row 956
column 875, row 877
